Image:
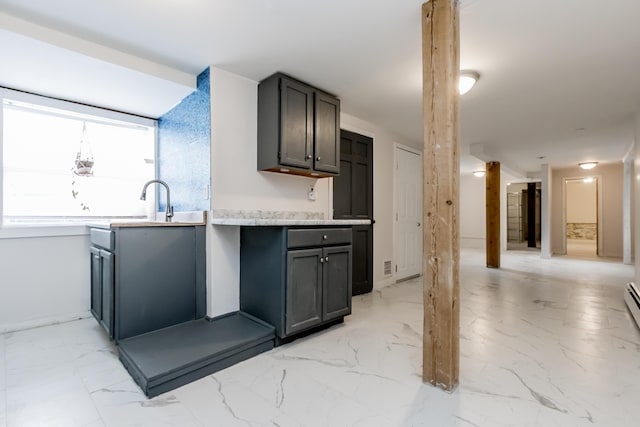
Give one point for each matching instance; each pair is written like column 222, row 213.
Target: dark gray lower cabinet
column 147, row 278
column 336, row 285
column 295, row 278
column 304, row 290
column 102, row 285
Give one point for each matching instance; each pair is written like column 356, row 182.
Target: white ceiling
column 559, row 79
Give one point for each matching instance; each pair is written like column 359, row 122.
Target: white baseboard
column 45, row 321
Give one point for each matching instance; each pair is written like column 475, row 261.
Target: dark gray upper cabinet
column 296, row 114
column 327, row 133
column 298, row 128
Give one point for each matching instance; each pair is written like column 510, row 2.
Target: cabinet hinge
column 279, row 155
column 396, row 268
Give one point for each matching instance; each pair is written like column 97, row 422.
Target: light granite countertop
column 180, row 219
column 286, row 221
column 277, row 218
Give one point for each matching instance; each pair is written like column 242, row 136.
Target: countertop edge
column 257, row 222
column 147, row 223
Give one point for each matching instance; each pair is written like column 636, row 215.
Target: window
column 41, row 141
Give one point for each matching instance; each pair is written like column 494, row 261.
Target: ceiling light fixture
column 467, row 80
column 478, row 174
column 587, row 165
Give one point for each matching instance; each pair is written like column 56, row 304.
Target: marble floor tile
column 3, row 413
column 543, row 343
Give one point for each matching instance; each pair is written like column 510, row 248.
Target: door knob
column 419, row 224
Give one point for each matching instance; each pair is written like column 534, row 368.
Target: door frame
column 563, row 229
column 397, row 146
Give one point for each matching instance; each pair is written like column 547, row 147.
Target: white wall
column 546, row 196
column 581, row 202
column 43, row 280
column 236, row 184
column 628, row 241
column 473, row 225
column 235, row 181
column 636, row 195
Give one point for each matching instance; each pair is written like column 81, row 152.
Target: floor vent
column 387, row 268
column 632, row 298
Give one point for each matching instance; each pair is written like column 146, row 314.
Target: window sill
column 24, row 231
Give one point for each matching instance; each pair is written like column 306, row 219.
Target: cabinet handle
column 308, row 157
column 318, row 159
column 326, row 259
column 324, row 237
column 96, row 256
column 321, row 260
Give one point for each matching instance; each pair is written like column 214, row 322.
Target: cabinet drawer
column 103, row 238
column 299, row 238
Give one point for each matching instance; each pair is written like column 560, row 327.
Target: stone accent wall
column 582, row 230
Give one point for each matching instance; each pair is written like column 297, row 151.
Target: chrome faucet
column 169, row 212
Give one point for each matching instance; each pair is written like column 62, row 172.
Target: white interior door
column 408, row 213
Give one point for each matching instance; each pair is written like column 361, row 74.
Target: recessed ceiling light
column 478, row 174
column 467, row 80
column 587, row 165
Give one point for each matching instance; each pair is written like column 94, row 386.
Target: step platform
column 168, row 358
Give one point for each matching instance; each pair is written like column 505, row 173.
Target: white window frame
column 57, row 228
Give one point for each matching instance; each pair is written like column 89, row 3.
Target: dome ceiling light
column 478, row 174
column 467, row 80
column 587, row 165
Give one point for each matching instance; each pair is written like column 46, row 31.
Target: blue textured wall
column 184, row 147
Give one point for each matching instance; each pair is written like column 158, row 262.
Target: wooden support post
column 440, row 68
column 493, row 214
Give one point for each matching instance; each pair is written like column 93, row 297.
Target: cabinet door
column 327, row 133
column 96, row 283
column 304, row 290
column 336, row 286
column 108, row 265
column 296, row 126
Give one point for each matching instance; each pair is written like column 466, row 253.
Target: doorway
column 353, row 199
column 581, row 225
column 408, row 212
column 523, row 215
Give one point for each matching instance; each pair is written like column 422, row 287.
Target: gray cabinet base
column 281, row 341
column 162, row 360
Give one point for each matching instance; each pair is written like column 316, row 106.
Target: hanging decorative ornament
column 83, row 167
column 84, row 157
